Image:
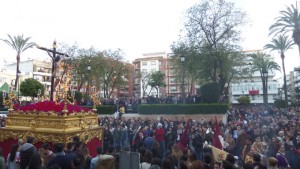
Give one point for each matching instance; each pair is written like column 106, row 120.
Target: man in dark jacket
column 60, row 158
column 198, row 145
column 27, row 151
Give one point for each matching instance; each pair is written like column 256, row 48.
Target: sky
column 135, row 26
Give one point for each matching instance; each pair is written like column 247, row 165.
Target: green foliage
column 287, row 23
column 157, row 80
column 78, row 96
column 1, row 99
column 104, row 109
column 279, row 103
column 19, row 44
column 29, row 87
column 244, row 100
column 210, row 92
column 182, row 109
column 212, row 36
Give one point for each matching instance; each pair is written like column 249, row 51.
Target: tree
column 66, row 64
column 156, row 81
column 288, row 21
column 210, row 92
column 144, row 79
column 29, row 87
column 282, row 43
column 280, row 103
column 80, row 73
column 213, row 29
column 261, row 62
column 244, row 100
column 20, row 44
column 114, row 71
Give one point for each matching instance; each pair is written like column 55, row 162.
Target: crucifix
column 55, row 56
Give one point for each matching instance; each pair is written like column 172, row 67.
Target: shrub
column 210, row 92
column 104, row 109
column 244, row 100
column 279, row 103
column 182, row 109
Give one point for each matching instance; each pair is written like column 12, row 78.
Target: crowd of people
column 254, row 137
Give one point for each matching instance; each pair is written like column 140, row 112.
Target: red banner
column 253, row 92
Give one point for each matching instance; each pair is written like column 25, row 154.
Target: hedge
column 183, row 109
column 104, row 109
column 3, row 109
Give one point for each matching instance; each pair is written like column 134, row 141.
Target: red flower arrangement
column 51, row 106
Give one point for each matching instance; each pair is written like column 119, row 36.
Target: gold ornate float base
column 50, row 127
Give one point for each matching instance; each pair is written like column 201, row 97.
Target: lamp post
column 89, row 68
column 19, row 75
column 55, row 56
column 265, row 76
column 182, row 60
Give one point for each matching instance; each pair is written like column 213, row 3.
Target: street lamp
column 19, row 74
column 265, row 76
column 182, row 60
column 89, row 68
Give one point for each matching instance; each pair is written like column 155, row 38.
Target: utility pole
column 55, row 56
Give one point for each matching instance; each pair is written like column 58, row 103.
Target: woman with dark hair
column 13, row 158
column 2, row 160
column 147, row 160
column 166, row 164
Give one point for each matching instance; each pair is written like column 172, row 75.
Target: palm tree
column 262, row 62
column 19, row 43
column 288, row 21
column 282, row 43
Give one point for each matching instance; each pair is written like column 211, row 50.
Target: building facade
column 37, row 69
column 159, row 61
column 252, row 86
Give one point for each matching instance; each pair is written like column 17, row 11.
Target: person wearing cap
column 160, row 138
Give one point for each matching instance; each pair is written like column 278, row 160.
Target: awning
column 253, row 92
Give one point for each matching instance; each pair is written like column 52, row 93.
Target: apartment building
column 252, row 86
column 158, row 61
column 33, row 68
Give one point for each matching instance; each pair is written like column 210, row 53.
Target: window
column 153, row 70
column 144, row 70
column 144, row 63
column 173, row 89
column 173, row 80
column 153, row 62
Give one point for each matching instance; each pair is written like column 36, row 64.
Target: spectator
column 107, row 161
column 95, row 160
column 2, row 160
column 26, row 153
column 159, row 137
column 147, row 160
column 272, row 163
column 13, row 158
column 60, row 159
column 124, row 136
column 217, row 165
column 35, row 162
column 280, row 156
column 148, row 141
column 46, row 153
column 207, row 161
column 197, row 165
